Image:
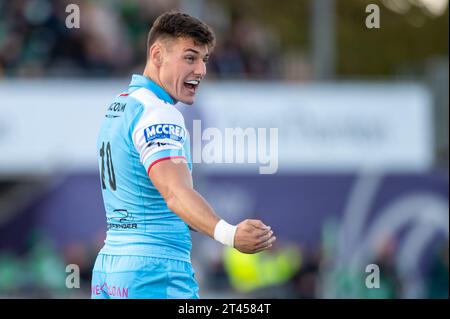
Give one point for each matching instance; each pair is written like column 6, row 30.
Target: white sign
column 347, row 126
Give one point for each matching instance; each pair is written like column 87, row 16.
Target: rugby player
column 145, row 174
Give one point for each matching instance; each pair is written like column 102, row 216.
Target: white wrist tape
column 224, row 233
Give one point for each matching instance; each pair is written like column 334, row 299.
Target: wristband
column 224, row 233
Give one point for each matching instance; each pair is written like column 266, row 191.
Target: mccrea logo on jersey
column 160, row 131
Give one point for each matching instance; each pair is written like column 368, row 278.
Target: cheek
column 168, row 77
column 174, row 75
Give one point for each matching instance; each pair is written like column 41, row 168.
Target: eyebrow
column 196, row 52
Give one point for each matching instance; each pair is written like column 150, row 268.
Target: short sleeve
column 159, row 134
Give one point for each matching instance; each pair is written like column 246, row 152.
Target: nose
column 200, row 69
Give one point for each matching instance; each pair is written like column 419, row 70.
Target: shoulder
column 154, row 109
column 123, row 103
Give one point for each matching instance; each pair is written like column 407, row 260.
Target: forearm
column 193, row 209
column 174, row 182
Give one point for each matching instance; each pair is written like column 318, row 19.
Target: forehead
column 189, row 45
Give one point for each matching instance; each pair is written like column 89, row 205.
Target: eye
column 190, row 59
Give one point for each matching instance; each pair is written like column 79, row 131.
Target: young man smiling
column 145, row 172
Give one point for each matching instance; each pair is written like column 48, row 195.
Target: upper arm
column 169, row 176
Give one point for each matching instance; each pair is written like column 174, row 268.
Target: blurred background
column 362, row 118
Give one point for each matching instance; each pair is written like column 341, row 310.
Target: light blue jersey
column 141, row 127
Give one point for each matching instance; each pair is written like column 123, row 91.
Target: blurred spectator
column 34, row 40
column 390, row 283
column 37, row 273
column 305, row 281
column 437, row 279
column 266, row 270
column 111, row 40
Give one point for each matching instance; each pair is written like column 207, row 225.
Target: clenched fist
column 252, row 236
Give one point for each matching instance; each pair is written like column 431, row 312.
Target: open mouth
column 191, row 85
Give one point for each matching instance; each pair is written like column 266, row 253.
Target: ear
column 155, row 54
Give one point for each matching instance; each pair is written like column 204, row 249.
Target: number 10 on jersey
column 109, row 165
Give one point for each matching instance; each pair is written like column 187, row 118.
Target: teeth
column 193, row 82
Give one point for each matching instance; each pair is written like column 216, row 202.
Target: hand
column 252, row 236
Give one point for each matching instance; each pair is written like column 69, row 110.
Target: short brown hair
column 180, row 25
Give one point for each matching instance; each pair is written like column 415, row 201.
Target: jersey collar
column 142, row 81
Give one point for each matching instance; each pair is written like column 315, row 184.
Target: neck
column 151, row 73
